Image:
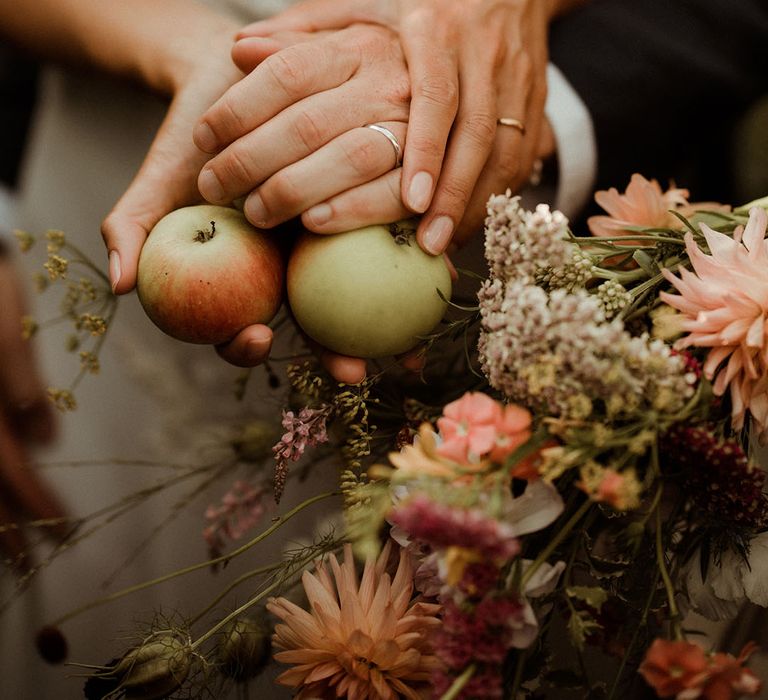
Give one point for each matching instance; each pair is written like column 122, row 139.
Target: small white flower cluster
column 613, row 297
column 557, row 350
column 576, row 273
column 521, row 243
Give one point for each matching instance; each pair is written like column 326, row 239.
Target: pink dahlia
column 360, row 639
column 643, row 204
column 723, row 305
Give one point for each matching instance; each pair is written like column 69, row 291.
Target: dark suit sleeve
column 665, row 81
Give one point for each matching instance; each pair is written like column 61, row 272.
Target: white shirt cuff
column 576, row 144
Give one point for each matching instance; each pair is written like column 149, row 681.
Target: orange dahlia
column 361, row 640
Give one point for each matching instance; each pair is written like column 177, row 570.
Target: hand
column 26, row 417
column 291, row 134
column 167, row 180
column 469, row 63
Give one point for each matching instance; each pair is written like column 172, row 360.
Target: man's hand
column 470, row 63
column 26, row 418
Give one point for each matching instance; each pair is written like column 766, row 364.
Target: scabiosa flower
column 718, row 475
column 518, row 243
column 479, row 634
column 643, row 204
column 723, row 305
column 442, row 526
column 358, row 640
column 308, row 429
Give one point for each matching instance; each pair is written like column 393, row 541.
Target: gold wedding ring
column 392, row 139
column 514, row 123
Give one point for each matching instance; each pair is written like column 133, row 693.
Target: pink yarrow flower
column 723, row 305
column 475, row 426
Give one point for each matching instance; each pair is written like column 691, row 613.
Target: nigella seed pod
column 51, row 644
column 244, row 648
column 254, row 443
column 155, row 669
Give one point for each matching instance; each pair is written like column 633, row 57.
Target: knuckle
column 281, row 192
column 425, row 143
column 288, row 71
column 455, row 195
column 440, row 90
column 362, row 155
column 234, row 169
column 229, row 120
column 311, row 129
column 480, row 127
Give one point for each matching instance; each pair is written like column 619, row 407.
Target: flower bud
column 244, row 648
column 155, row 669
column 254, row 443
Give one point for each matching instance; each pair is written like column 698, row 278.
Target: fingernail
column 255, row 211
column 438, row 234
column 209, row 186
column 204, row 138
column 319, row 214
column 420, row 192
column 114, row 269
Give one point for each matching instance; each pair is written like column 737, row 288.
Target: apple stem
column 204, row 235
column 401, row 234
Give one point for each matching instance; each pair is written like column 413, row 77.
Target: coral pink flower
column 723, row 305
column 672, row 667
column 476, row 426
column 643, row 204
column 359, row 640
column 684, row 671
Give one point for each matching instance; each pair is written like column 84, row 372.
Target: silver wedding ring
column 514, row 123
column 392, row 139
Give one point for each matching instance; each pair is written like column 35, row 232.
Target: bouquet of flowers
column 538, row 518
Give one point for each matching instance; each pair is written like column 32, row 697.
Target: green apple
column 371, row 292
column 205, row 273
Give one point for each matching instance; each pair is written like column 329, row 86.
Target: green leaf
column 591, row 595
column 645, row 262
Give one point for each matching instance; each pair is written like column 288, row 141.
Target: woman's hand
column 470, row 63
column 26, row 418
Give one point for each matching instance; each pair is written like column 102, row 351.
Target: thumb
column 166, row 181
column 314, row 15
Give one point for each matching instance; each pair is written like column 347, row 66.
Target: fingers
column 319, row 14
column 344, row 369
column 248, row 348
column 376, row 202
column 275, row 84
column 354, row 158
column 471, row 142
column 165, row 181
column 433, row 69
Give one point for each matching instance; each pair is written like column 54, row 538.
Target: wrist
column 174, row 60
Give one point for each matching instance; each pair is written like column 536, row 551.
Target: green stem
column 458, row 685
column 555, row 542
column 200, row 565
column 668, row 587
column 630, row 646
